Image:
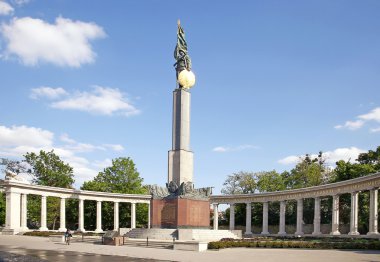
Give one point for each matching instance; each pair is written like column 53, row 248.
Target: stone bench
column 190, row 245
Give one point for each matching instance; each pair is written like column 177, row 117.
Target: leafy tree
column 50, row 170
column 121, row 177
column 240, row 183
column 47, row 170
column 270, row 181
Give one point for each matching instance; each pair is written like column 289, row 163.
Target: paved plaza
column 45, row 250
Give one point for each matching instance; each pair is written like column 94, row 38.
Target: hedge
column 369, row 244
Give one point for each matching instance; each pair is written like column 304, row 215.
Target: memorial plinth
column 180, row 213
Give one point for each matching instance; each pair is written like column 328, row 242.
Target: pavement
column 26, row 248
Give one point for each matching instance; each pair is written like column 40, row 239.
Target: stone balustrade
column 369, row 183
column 16, row 205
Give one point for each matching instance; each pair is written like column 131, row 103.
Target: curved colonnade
column 16, row 205
column 369, row 183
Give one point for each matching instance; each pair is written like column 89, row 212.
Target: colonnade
column 373, row 215
column 17, row 201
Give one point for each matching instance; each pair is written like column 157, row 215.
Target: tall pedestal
column 180, row 213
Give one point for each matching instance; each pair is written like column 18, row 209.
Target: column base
column 316, row 233
column 281, row 233
column 24, row 229
column 265, row 233
column 43, row 229
column 248, row 233
column 373, row 233
column 81, row 230
column 98, row 231
column 62, row 229
column 335, row 233
column 298, row 233
column 354, row 233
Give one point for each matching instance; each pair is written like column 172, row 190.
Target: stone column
column 335, row 216
column 265, row 219
column 98, row 216
column 43, row 214
column 282, row 218
column 248, row 225
column 12, row 217
column 299, row 231
column 148, row 215
column 62, row 216
column 81, row 216
column 232, row 216
column 24, row 212
column 317, row 216
column 180, row 159
column 133, row 215
column 116, row 216
column 373, row 212
column 216, row 217
column 354, row 214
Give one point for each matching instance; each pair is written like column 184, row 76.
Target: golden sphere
column 186, row 78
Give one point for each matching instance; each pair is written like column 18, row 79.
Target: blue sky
column 275, row 80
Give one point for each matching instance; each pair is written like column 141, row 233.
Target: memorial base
column 180, row 213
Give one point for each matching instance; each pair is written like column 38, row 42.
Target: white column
column 282, row 218
column 62, row 217
column 299, row 230
column 24, row 212
column 232, row 216
column 116, row 216
column 98, row 216
column 354, row 214
column 43, row 214
column 216, row 217
column 335, row 216
column 317, row 216
column 373, row 212
column 12, row 217
column 148, row 215
column 265, row 219
column 133, row 215
column 81, row 216
column 248, row 225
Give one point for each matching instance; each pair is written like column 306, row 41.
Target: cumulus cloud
column 223, row 149
column 16, row 141
column 99, row 101
column 20, row 2
column 331, row 157
column 114, row 147
column 47, row 92
column 64, row 43
column 373, row 115
column 5, row 8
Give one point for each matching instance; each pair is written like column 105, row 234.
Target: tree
column 47, row 170
column 121, row 177
column 270, row 181
column 50, row 170
column 240, row 183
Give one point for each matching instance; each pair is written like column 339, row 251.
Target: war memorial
column 182, row 209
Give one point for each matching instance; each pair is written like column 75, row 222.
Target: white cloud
column 21, row 2
column 375, row 130
column 16, row 141
column 24, row 136
column 373, row 115
column 223, row 149
column 101, row 101
column 114, row 147
column 5, row 8
column 47, row 92
column 64, row 43
column 331, row 157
